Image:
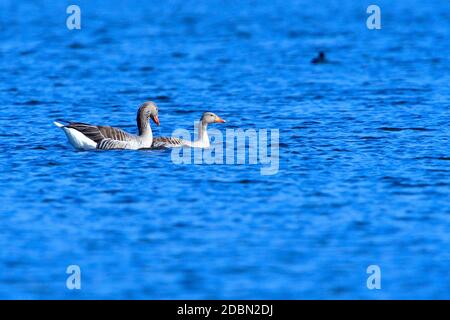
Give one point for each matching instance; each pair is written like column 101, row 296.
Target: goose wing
column 106, row 137
column 110, row 144
column 168, row 142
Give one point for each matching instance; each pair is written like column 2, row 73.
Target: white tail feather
column 76, row 138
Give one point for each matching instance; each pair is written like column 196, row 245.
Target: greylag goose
column 202, row 140
column 85, row 136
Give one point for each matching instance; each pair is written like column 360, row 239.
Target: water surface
column 364, row 150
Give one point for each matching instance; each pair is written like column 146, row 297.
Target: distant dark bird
column 320, row 58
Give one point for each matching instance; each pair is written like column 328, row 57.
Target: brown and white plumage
column 169, row 142
column 202, row 140
column 85, row 136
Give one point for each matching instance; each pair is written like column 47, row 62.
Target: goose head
column 149, row 110
column 209, row 117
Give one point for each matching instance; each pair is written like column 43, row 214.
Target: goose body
column 202, row 140
column 170, row 142
column 85, row 136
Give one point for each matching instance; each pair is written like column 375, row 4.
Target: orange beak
column 219, row 120
column 155, row 119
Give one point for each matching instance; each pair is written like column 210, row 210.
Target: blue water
column 364, row 150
